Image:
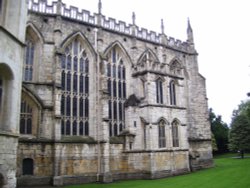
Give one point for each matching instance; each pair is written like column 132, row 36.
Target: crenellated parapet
column 97, row 19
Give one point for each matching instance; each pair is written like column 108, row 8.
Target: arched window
column 25, row 118
column 172, row 93
column 28, row 166
column 175, row 134
column 75, row 90
column 29, row 61
column 116, row 82
column 159, row 91
column 162, row 134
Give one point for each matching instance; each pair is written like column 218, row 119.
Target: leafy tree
column 239, row 136
column 220, row 131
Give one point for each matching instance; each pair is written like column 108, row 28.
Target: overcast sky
column 221, row 34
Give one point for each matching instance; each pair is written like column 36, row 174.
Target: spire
column 100, row 7
column 133, row 18
column 190, row 37
column 162, row 26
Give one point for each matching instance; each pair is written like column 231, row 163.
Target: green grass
column 227, row 173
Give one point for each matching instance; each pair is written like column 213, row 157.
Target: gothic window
column 172, row 93
column 116, row 83
column 175, row 134
column 162, row 134
column 29, row 61
column 25, row 118
column 75, row 90
column 28, row 166
column 159, row 91
column 175, row 67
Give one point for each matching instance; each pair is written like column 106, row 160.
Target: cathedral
column 86, row 98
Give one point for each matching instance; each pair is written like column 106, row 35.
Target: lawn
column 228, row 173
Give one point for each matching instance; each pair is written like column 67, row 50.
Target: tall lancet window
column 29, row 61
column 172, row 93
column 159, row 91
column 75, row 90
column 175, row 134
column 116, row 78
column 162, row 134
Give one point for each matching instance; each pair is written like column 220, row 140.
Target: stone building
column 12, row 42
column 103, row 100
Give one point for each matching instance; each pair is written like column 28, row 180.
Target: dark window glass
column 68, row 128
column 62, row 127
column 68, row 107
column 62, row 105
column 81, row 107
column 119, row 89
column 86, row 128
column 63, row 80
column 69, row 63
column 115, row 110
column 86, row 85
column 109, row 87
column 28, row 166
column 74, row 128
column 110, row 109
column 1, row 93
column 159, row 92
column 74, row 107
column 114, row 88
column 75, row 82
column 81, row 128
column 81, row 83
column 86, row 66
column 108, row 70
column 68, row 81
column 75, row 64
column 114, row 55
column 86, row 108
column 172, row 93
column 115, row 130
column 81, row 65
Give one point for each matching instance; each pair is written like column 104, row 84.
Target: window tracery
column 175, row 67
column 26, row 118
column 116, row 83
column 75, row 90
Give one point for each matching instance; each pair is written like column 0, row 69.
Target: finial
column 190, row 37
column 133, row 18
column 100, row 7
column 162, row 26
column 189, row 26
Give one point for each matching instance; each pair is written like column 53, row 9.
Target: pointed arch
column 175, row 132
column 79, row 35
column 77, row 68
column 118, row 66
column 33, row 53
column 147, row 55
column 30, row 113
column 33, row 32
column 175, row 66
column 162, row 133
column 172, row 92
column 163, row 119
column 118, row 45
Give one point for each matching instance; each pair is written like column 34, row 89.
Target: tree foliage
column 220, row 132
column 239, row 137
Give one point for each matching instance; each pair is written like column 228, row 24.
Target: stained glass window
column 75, row 90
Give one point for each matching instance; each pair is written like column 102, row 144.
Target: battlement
column 97, row 19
